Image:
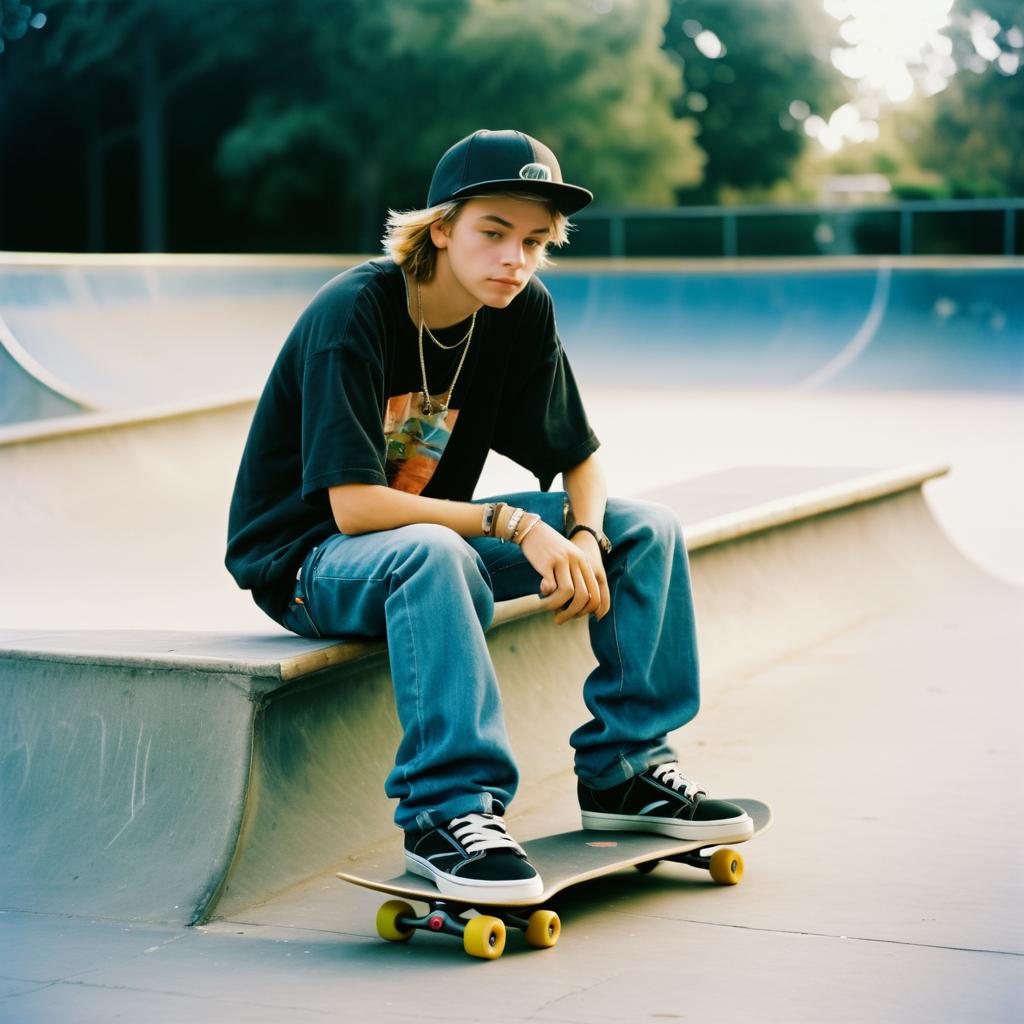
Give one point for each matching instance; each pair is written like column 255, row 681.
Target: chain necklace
column 430, row 334
column 428, row 403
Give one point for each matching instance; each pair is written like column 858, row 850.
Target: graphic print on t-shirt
column 415, row 442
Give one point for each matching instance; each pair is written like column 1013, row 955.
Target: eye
column 492, row 234
column 534, row 242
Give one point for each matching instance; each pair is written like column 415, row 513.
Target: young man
column 352, row 516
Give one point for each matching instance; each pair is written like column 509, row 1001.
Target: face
column 493, row 248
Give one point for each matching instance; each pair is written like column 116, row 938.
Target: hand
column 573, row 580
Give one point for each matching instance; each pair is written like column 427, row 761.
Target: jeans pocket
column 299, row 617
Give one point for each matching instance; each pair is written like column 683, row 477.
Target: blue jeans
column 431, row 592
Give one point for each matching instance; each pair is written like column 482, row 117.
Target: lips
column 506, row 280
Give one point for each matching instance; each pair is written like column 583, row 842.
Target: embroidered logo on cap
column 535, row 172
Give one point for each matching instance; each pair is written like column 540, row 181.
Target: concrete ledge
column 172, row 776
column 96, row 422
column 715, row 509
column 819, row 498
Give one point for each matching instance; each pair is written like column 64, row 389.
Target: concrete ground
column 885, row 891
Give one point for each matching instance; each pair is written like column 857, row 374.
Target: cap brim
column 568, row 199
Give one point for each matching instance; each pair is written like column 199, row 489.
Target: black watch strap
column 602, row 541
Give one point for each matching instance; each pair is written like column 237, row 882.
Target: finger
column 559, row 586
column 581, row 598
column 565, row 594
column 606, row 597
column 585, row 599
column 593, row 588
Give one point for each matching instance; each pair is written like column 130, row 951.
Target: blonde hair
column 407, row 233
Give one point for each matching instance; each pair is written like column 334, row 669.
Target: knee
column 637, row 519
column 438, row 549
column 429, row 537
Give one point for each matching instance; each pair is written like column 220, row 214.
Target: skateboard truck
column 725, row 865
column 482, row 936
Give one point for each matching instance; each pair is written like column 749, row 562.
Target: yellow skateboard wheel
column 484, row 937
column 543, row 929
column 726, row 866
column 387, row 921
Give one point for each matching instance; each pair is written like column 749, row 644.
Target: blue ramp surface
column 884, row 328
column 81, row 335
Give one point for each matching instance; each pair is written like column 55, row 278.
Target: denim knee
column 445, row 557
column 641, row 518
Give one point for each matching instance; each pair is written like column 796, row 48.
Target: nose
column 513, row 255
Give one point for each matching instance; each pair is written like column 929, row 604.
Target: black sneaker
column 660, row 800
column 473, row 856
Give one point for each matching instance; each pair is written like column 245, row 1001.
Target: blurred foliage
column 386, row 88
column 741, row 99
column 17, row 19
column 247, row 124
column 972, row 133
column 966, row 141
column 102, row 37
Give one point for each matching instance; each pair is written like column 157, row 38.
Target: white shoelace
column 479, row 832
column 671, row 776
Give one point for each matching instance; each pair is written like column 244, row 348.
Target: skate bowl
column 203, row 761
column 80, row 333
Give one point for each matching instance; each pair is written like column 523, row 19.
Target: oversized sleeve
column 542, row 425
column 342, row 405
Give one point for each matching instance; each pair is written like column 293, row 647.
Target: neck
column 445, row 301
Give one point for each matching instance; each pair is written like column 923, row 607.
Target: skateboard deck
column 563, row 860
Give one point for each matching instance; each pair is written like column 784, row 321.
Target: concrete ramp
column 27, row 392
column 115, row 333
column 881, row 325
column 171, row 777
column 122, row 519
column 129, row 332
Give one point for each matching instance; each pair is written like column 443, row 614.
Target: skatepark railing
column 938, row 227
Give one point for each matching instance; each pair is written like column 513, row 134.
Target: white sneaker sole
column 732, row 829
column 474, row 888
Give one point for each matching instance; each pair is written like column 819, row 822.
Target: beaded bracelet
column 519, row 540
column 513, row 523
column 503, row 533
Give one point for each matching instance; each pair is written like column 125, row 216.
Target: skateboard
column 563, row 860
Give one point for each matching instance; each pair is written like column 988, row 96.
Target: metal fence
column 933, row 227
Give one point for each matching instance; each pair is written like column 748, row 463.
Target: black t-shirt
column 342, row 405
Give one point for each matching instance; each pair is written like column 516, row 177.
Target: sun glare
column 884, row 40
column 892, row 51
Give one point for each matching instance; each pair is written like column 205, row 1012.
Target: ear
column 439, row 234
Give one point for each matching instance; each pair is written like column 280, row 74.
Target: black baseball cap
column 504, row 161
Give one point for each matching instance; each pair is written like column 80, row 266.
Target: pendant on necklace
column 429, row 408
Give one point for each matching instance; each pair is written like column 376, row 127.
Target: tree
column 965, row 140
column 388, row 86
column 16, row 20
column 151, row 49
column 975, row 134
column 744, row 63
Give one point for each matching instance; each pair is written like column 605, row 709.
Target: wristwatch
column 602, row 541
